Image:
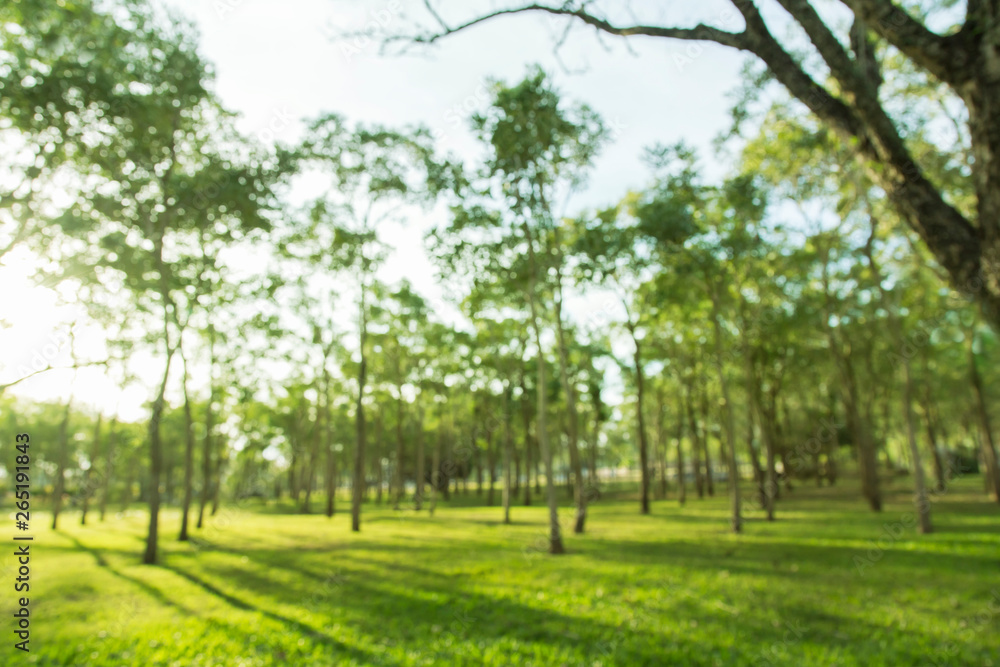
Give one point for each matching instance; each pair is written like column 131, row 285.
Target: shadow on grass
column 301, row 628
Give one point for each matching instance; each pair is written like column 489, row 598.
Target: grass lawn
column 829, row 583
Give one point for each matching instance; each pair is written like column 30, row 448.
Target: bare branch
column 699, row 32
column 72, row 367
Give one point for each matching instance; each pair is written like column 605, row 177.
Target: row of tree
column 780, row 313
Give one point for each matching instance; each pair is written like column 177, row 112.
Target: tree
column 374, row 170
column 146, row 201
column 537, row 147
column 843, row 91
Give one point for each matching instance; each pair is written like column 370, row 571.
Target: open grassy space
column 263, row 588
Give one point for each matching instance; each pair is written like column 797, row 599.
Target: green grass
column 672, row 588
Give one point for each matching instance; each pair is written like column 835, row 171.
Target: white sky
column 275, row 63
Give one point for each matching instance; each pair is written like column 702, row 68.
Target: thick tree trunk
column 967, row 60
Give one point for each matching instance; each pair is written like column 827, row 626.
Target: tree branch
column 942, row 56
column 699, row 32
column 73, row 367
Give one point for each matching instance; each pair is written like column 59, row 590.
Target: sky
column 279, row 63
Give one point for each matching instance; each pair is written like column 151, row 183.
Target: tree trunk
column 400, row 479
column 508, row 444
column 418, row 494
column 95, row 454
column 681, row 481
column 699, row 482
column 60, row 483
column 939, row 468
column 220, row 459
column 766, row 479
column 555, row 539
column 330, row 478
column 378, row 458
column 709, row 473
column 736, row 520
column 867, row 463
column 188, row 458
column 661, row 444
column 641, row 423
column 526, row 420
column 108, row 466
column 156, row 464
column 920, row 499
column 988, row 447
column 572, row 430
column 358, row 482
column 436, row 462
column 207, row 443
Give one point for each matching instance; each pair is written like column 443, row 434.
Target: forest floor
column 828, row 583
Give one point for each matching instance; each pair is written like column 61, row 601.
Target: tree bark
column 508, row 444
column 188, row 458
column 641, row 423
column 436, row 462
column 526, row 420
column 555, row 539
column 988, row 445
column 330, row 455
column 681, row 481
column 418, row 494
column 400, row 479
column 736, row 519
column 699, row 481
column 208, row 442
column 709, row 473
column 95, row 454
column 109, row 459
column 358, row 482
column 59, row 488
column 867, row 463
column 579, row 495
